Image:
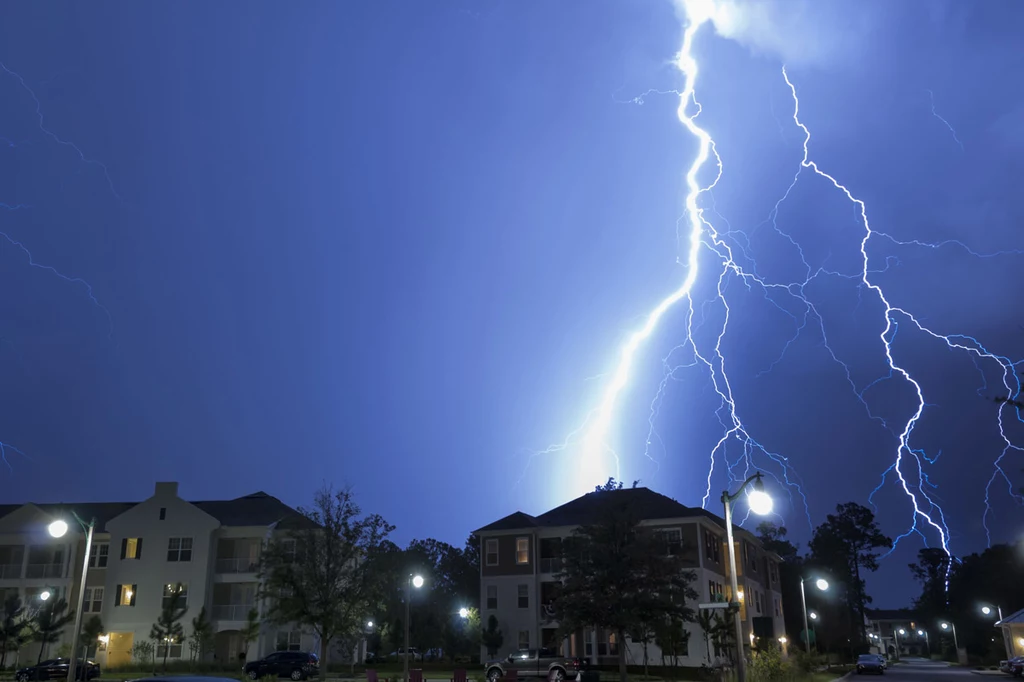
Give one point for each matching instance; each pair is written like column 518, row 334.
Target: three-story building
column 521, row 556
column 142, row 553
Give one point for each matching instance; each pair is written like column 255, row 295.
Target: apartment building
column 522, row 554
column 141, row 551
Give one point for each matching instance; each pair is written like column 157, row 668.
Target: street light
column 987, row 610
column 813, row 615
column 947, row 626
column 822, row 585
column 369, row 623
column 44, row 595
column 463, row 612
column 59, row 529
column 417, row 582
column 760, row 503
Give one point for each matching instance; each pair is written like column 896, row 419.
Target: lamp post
column 822, row 585
column 896, row 635
column 760, row 503
column 946, row 626
column 463, row 613
column 417, row 582
column 987, row 610
column 58, row 529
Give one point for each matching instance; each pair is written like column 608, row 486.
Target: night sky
column 398, row 246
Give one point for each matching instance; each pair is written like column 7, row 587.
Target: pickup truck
column 535, row 663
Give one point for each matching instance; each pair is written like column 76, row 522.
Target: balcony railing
column 9, row 571
column 237, row 565
column 232, row 611
column 550, row 564
column 44, row 570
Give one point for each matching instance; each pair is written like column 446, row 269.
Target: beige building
column 140, row 551
column 1012, row 628
column 521, row 555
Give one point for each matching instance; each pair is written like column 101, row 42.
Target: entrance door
column 119, row 649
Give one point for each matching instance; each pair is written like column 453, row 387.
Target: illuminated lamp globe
column 760, row 502
column 44, row 595
column 417, row 581
column 463, row 612
column 986, row 610
column 821, row 584
column 58, row 528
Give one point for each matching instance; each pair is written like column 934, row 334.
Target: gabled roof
column 1013, row 618
column 650, row 506
column 257, row 509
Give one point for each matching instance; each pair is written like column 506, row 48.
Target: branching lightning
column 697, row 235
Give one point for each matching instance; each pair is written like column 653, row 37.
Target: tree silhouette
column 91, row 631
column 13, row 627
column 202, row 636
column 50, row 622
column 167, row 629
column 492, row 637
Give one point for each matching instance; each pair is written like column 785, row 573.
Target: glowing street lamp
column 44, row 595
column 949, row 626
column 822, row 585
column 58, row 528
column 760, row 503
column 463, row 612
column 417, row 582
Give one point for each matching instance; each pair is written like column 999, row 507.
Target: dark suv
column 297, row 665
column 57, row 669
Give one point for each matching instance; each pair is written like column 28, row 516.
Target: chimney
column 169, row 489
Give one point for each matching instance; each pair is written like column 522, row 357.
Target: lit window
column 172, row 649
column 492, row 551
column 131, row 548
column 98, row 555
column 125, row 595
column 179, row 549
column 181, row 590
column 522, row 550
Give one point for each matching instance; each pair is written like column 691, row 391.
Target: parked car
column 883, row 660
column 543, row 663
column 57, row 669
column 1014, row 666
column 414, row 654
column 869, row 663
column 297, row 665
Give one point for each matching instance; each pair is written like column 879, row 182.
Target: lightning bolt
column 931, row 98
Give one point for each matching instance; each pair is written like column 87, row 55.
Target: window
column 757, row 601
column 163, row 513
column 181, row 589
column 751, row 557
column 125, row 595
column 715, row 590
column 712, row 547
column 524, row 596
column 179, row 549
column 524, row 639
column 613, row 645
column 778, row 608
column 131, row 548
column 289, row 548
column 173, row 652
column 492, row 596
column 672, row 540
column 99, row 555
column 522, row 550
column 492, row 551
column 289, row 641
column 92, row 602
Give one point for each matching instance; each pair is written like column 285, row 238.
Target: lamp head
column 417, row 581
column 463, row 612
column 945, row 626
column 760, row 502
column 986, row 610
column 821, row 584
column 902, row 631
column 813, row 615
column 369, row 623
column 58, row 528
column 920, row 633
column 44, row 595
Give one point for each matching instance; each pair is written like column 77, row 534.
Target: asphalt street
column 923, row 671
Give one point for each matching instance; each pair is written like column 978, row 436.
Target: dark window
column 492, row 551
column 524, row 596
column 712, row 547
column 99, row 555
column 671, row 540
column 163, row 513
column 179, row 549
column 492, row 596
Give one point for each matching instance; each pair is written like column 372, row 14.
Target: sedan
column 869, row 663
column 57, row 669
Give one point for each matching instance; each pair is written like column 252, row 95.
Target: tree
column 324, row 574
column 492, row 637
column 791, row 573
column 49, row 623
column 201, row 638
column 251, row 630
column 143, row 651
column 706, row 623
column 167, row 629
column 617, row 572
column 773, row 539
column 91, row 631
column 13, row 627
column 846, row 544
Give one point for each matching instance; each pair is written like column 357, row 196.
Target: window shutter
column 117, row 595
column 124, row 547
column 135, row 592
column 138, row 549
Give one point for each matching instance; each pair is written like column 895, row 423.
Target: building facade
column 141, row 553
column 521, row 555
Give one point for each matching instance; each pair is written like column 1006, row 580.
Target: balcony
column 232, row 611
column 44, row 571
column 550, row 564
column 10, row 571
column 237, row 565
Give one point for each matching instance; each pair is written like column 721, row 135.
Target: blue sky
column 398, row 246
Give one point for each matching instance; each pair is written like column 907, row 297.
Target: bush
column 767, row 666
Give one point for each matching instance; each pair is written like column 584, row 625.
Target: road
column 920, row 670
